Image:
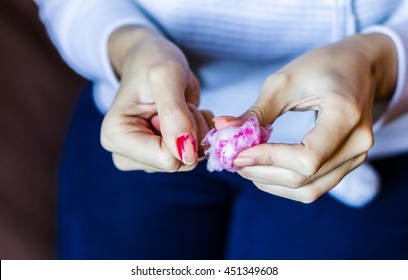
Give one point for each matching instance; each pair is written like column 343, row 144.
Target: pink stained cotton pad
column 224, row 145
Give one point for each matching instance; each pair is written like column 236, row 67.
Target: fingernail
column 226, row 118
column 187, row 148
column 244, row 161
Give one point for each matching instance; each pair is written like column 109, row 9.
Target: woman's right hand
column 153, row 123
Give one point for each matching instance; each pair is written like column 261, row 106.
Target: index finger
column 132, row 137
column 148, row 149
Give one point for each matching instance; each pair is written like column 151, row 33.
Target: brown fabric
column 37, row 95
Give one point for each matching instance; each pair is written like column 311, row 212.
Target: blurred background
column 37, row 95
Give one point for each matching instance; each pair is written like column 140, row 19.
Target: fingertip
column 155, row 122
column 187, row 148
column 178, row 130
column 221, row 122
column 208, row 118
column 225, row 118
column 262, row 111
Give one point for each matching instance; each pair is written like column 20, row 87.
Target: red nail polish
column 187, row 148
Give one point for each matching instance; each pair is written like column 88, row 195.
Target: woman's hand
column 340, row 82
column 153, row 123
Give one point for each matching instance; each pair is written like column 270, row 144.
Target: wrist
column 384, row 64
column 377, row 52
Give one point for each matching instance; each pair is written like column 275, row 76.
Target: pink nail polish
column 187, row 148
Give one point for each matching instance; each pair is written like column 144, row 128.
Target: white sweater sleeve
column 397, row 29
column 80, row 31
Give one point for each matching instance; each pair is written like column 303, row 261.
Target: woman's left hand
column 340, row 82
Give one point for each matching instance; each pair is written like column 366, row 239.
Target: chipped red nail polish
column 186, row 148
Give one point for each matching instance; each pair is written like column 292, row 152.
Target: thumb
column 273, row 100
column 261, row 110
column 168, row 85
column 264, row 110
column 222, row 122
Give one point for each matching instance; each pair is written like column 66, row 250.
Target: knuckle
column 105, row 143
column 367, row 139
column 120, row 164
column 363, row 140
column 194, row 82
column 244, row 173
column 310, row 164
column 171, row 168
column 269, row 156
column 165, row 69
column 310, row 195
column 278, row 80
column 261, row 187
column 297, row 180
column 170, row 164
column 121, row 167
column 258, row 111
column 351, row 111
column 362, row 158
column 169, row 109
column 107, row 138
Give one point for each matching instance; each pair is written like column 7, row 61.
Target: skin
column 158, row 98
column 155, row 104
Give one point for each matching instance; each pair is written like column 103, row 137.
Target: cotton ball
column 224, row 145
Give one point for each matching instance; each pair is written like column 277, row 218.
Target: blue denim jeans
column 109, row 214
